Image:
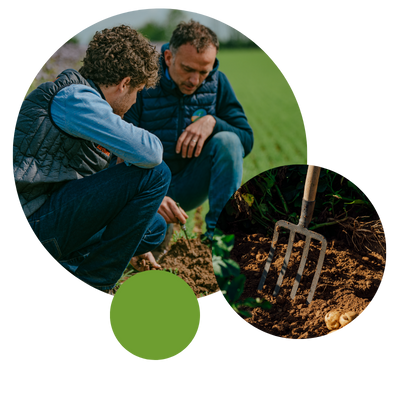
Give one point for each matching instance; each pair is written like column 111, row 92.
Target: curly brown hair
column 120, row 52
column 194, row 33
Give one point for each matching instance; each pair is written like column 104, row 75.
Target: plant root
column 365, row 235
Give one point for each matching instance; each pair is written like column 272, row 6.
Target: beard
column 122, row 104
column 188, row 88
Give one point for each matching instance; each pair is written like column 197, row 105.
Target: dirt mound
column 348, row 282
column 193, row 265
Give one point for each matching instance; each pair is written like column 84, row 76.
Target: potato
column 347, row 317
column 332, row 319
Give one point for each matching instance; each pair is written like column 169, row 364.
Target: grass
column 271, row 109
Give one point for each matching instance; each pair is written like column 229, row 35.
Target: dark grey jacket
column 45, row 157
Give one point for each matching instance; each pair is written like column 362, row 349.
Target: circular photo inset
column 299, row 251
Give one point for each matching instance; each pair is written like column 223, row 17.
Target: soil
column 349, row 280
column 192, row 261
column 189, row 259
column 194, row 266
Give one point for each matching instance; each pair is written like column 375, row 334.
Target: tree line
column 157, row 32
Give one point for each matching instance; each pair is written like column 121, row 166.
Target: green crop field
column 271, row 108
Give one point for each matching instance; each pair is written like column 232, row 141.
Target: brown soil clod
column 193, row 265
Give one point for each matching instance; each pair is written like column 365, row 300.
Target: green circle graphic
column 155, row 315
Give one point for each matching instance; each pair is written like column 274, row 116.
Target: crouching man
column 204, row 130
column 90, row 216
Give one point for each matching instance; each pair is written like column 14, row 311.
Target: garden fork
column 307, row 208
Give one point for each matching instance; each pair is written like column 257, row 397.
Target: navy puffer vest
column 167, row 112
column 45, row 157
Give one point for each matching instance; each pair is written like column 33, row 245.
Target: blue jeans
column 93, row 226
column 216, row 174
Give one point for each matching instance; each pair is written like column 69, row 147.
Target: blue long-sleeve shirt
column 81, row 111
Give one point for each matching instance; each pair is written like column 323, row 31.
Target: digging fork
column 307, row 208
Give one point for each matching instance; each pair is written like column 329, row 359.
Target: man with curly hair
column 90, row 216
column 200, row 122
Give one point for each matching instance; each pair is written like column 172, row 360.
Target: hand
column 139, row 262
column 171, row 212
column 194, row 136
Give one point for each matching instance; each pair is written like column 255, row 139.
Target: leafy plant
column 228, row 275
column 180, row 234
column 277, row 194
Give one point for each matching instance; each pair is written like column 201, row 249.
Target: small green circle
column 155, row 315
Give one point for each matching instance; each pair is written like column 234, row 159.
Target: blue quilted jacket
column 166, row 112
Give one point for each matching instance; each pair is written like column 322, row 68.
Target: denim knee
column 158, row 227
column 230, row 143
column 154, row 235
column 164, row 171
column 157, row 180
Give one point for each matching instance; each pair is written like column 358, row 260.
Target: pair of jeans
column 216, row 174
column 94, row 225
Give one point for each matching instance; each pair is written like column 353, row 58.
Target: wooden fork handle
column 311, row 185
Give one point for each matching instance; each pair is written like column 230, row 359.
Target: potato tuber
column 332, row 319
column 347, row 317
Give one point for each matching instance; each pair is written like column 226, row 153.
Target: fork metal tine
column 285, row 263
column 318, row 270
column 308, row 236
column 301, row 268
column 269, row 259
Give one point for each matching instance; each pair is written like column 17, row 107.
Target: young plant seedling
column 183, row 227
column 173, row 271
